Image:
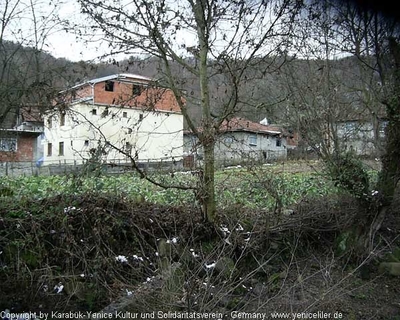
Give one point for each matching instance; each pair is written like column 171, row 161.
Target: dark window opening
column 49, row 123
column 128, row 147
column 136, row 90
column 141, row 117
column 62, row 119
column 49, row 149
column 8, row 144
column 109, row 86
column 93, row 112
column 104, row 113
column 264, row 155
column 86, row 143
column 278, row 142
column 61, row 149
column 124, row 114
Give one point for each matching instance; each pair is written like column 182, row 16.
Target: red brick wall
column 150, row 98
column 25, row 150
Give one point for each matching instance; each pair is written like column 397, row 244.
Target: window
column 136, row 90
column 124, row 114
column 8, row 144
column 253, row 140
column 93, row 112
column 49, row 149
column 128, row 147
column 228, row 140
column 382, row 127
column 141, row 117
column 61, row 149
column 86, row 143
column 349, row 127
column 62, row 119
column 49, row 123
column 109, row 86
column 104, row 113
column 72, row 143
column 278, row 142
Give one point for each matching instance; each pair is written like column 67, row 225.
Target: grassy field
column 257, row 188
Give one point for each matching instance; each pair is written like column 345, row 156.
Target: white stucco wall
column 155, row 136
column 235, row 147
column 359, row 136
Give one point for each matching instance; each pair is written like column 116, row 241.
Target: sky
column 68, row 44
column 55, row 39
column 46, row 15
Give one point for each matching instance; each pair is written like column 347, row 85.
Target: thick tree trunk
column 366, row 226
column 390, row 173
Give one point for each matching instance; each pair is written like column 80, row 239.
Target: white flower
column 210, row 266
column 239, row 228
column 224, row 229
column 374, row 192
column 58, row 288
column 69, row 209
column 122, row 259
column 137, row 257
column 173, row 240
column 128, row 293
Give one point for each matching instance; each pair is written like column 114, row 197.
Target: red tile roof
column 241, row 124
column 31, row 114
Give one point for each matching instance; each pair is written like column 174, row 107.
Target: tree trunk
column 390, row 173
column 208, row 183
column 367, row 226
column 207, row 138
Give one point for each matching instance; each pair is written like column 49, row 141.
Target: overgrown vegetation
column 237, row 186
column 97, row 243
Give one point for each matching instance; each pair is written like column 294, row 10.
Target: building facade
column 242, row 141
column 114, row 118
column 23, row 141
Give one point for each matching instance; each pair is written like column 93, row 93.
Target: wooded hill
column 276, row 88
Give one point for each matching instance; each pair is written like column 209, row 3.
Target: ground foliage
column 250, row 261
column 110, row 243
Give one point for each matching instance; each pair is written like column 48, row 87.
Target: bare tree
column 27, row 73
column 209, row 40
column 321, row 99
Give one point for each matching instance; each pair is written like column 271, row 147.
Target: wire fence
column 68, row 166
column 61, row 167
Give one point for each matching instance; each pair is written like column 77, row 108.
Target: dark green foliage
column 349, row 173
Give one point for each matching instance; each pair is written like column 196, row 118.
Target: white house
column 362, row 135
column 241, row 140
column 114, row 116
